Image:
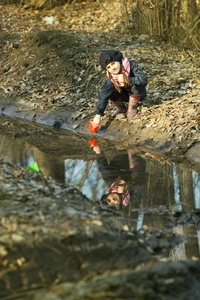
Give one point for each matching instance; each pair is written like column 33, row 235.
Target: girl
column 125, row 176
column 125, row 82
column 118, row 193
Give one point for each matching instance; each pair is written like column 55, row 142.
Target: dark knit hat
column 109, row 56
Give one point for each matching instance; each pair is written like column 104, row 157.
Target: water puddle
column 144, row 192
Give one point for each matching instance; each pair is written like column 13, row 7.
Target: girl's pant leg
column 119, row 104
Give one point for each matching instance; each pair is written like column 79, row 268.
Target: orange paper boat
column 93, row 127
column 93, row 143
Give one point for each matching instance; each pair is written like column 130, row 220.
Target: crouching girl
column 125, row 82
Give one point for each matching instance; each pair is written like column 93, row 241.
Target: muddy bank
column 162, row 281
column 124, row 133
column 55, row 242
column 53, row 77
column 51, row 233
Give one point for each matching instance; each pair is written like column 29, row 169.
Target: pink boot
column 133, row 164
column 132, row 106
column 119, row 104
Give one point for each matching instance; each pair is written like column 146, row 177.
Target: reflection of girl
column 118, row 193
column 123, row 174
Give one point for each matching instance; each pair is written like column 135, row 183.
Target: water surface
column 158, row 195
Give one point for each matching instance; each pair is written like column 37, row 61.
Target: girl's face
column 113, row 199
column 114, row 67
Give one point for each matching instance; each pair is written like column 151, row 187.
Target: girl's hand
column 97, row 119
column 97, row 149
column 121, row 79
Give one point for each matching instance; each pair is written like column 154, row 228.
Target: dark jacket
column 138, row 81
column 119, row 167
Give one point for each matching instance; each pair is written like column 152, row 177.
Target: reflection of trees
column 190, row 197
column 179, row 252
column 160, row 184
column 169, row 184
column 86, row 176
column 196, row 189
column 177, row 196
column 176, row 187
column 187, row 249
column 186, row 189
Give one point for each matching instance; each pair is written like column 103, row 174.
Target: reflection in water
column 86, row 176
column 140, row 220
column 123, row 174
column 148, row 185
column 196, row 189
column 152, row 186
column 179, row 252
column 23, row 153
column 189, row 248
column 198, row 237
column 177, row 196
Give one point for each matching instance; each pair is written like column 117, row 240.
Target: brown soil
column 50, row 74
column 54, row 68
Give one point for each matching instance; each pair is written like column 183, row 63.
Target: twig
column 189, row 32
column 104, row 8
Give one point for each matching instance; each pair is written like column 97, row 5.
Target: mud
column 51, row 233
column 162, row 281
column 56, row 242
column 42, row 81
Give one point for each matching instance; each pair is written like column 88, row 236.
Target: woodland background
column 169, row 20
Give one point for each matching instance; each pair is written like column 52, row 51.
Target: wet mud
column 121, row 132
column 59, row 238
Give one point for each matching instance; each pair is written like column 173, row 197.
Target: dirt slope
column 53, row 68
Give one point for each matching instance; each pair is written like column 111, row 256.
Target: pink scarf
column 126, row 68
column 114, row 189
